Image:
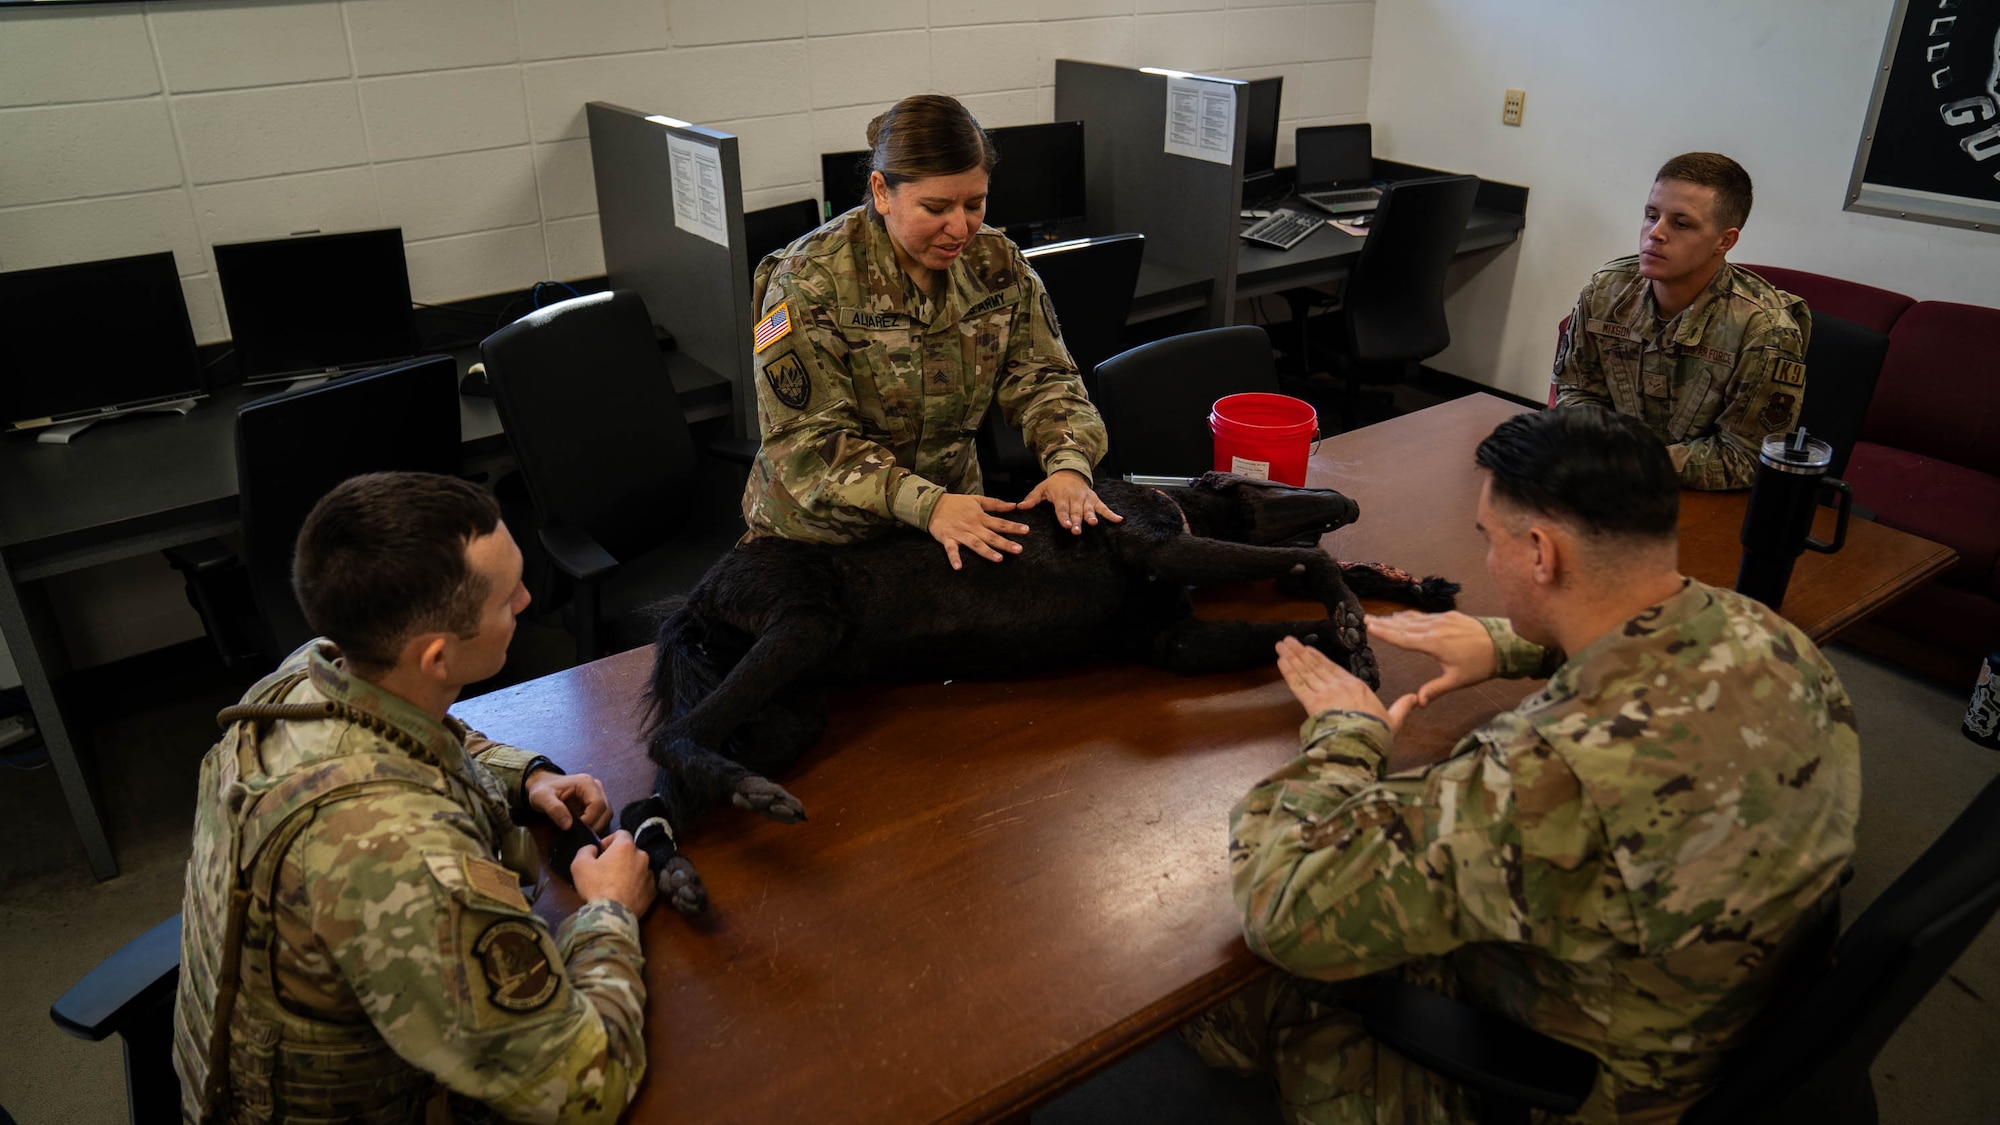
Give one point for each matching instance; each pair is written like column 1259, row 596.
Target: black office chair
column 1090, row 281
column 1156, row 398
column 291, row 449
column 610, row 466
column 1843, row 361
column 1807, row 1063
column 1391, row 312
column 130, row 994
column 774, row 228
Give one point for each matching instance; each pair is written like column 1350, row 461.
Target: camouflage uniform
column 870, row 401
column 1616, row 862
column 1716, row 379
column 343, row 874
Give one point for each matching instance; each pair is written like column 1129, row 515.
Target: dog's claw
column 760, row 795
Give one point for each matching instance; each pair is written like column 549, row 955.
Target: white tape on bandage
column 664, row 827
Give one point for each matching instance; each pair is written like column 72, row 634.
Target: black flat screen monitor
column 1260, row 146
column 92, row 339
column 314, row 304
column 1335, row 155
column 1038, row 182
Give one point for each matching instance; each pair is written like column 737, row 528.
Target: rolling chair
column 1090, row 281
column 130, row 994
column 1807, row 1063
column 610, row 466
column 1156, row 398
column 774, row 228
column 1843, row 362
column 291, row 449
column 1391, row 312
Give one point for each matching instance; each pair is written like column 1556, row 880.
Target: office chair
column 130, row 994
column 1090, row 281
column 1391, row 312
column 1156, row 398
column 1808, row 1059
column 291, row 449
column 1843, row 362
column 609, row 464
column 774, row 228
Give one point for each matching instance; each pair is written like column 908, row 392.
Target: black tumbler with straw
column 1777, row 527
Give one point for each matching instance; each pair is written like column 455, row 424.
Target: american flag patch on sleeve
column 773, row 328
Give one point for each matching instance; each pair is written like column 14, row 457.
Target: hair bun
column 875, row 130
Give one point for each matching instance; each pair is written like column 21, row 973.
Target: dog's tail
column 682, row 674
column 1379, row 580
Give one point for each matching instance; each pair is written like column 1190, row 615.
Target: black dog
column 742, row 663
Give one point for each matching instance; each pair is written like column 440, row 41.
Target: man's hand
column 617, row 873
column 559, row 796
column 1321, row 685
column 967, row 521
column 1455, row 640
column 1075, row 502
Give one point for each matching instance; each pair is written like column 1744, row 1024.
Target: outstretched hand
column 1321, row 685
column 1074, row 501
column 561, row 796
column 1458, row 642
column 966, row 521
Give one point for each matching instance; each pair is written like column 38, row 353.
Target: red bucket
column 1264, row 436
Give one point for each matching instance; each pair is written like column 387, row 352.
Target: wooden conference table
column 1004, row 887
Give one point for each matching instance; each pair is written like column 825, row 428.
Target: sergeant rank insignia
column 518, row 975
column 773, row 328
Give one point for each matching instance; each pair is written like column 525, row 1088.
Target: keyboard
column 1283, row 229
column 1358, row 195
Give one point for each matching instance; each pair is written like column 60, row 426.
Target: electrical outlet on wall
column 1510, row 110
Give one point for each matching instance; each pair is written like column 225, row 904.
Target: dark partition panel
column 1186, row 208
column 695, row 288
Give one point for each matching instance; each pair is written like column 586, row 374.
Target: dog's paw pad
column 681, row 886
column 760, row 795
column 1362, row 664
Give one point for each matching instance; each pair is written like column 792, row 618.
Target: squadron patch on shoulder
column 787, row 377
column 1790, row 372
column 773, row 328
column 518, row 975
column 1562, row 342
column 1049, row 314
column 1778, row 412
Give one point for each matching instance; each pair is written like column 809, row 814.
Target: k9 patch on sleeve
column 1790, row 372
column 788, row 380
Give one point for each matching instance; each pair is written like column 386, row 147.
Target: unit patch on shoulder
column 1049, row 314
column 1790, row 372
column 1778, row 412
column 1562, row 342
column 518, row 975
column 787, row 377
column 773, row 328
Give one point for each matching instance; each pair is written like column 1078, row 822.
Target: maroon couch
column 1928, row 459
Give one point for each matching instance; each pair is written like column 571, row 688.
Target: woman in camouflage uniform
column 885, row 336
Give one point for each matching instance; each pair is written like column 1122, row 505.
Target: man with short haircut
column 1622, row 862
column 355, row 943
column 1709, row 355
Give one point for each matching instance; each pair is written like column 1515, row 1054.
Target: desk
column 1005, row 887
column 1329, row 253
column 141, row 484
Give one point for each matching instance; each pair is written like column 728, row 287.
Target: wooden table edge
column 1902, row 585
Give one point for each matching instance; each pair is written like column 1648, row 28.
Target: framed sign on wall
column 1930, row 150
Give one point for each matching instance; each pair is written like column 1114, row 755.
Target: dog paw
column 1353, row 629
column 681, row 886
column 1435, row 595
column 760, row 795
column 1361, row 662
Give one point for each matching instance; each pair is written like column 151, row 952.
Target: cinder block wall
column 174, row 126
column 132, row 128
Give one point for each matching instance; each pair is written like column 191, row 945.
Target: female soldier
column 885, row 335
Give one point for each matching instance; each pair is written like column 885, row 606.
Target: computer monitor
column 1335, row 154
column 315, row 304
column 1260, row 146
column 1038, row 182
column 843, row 181
column 94, row 339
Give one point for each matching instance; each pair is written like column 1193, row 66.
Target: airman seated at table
column 1621, row 862
column 1709, row 355
column 355, row 945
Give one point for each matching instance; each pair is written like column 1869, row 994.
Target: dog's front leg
column 1190, row 560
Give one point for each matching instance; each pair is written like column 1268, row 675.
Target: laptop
column 1336, row 169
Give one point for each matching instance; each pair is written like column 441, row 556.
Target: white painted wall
column 1615, row 87
column 132, row 128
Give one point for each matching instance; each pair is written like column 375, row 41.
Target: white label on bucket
column 1255, row 470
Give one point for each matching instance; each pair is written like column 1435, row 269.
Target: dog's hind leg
column 1195, row 645
column 1380, row 580
column 651, row 828
column 1310, row 572
column 791, row 648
